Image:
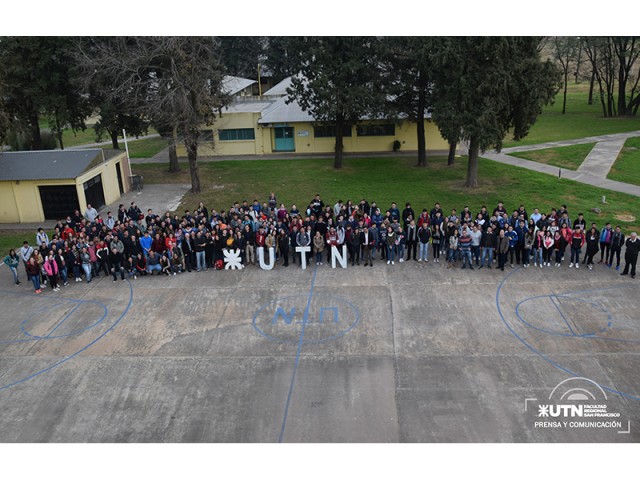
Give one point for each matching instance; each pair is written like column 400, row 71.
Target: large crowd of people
column 132, row 243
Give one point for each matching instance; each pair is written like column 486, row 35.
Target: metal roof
column 242, row 106
column 279, row 89
column 234, row 85
column 50, row 164
column 281, row 112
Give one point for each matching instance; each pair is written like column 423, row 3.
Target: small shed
column 48, row 185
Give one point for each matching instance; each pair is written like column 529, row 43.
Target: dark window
column 384, row 130
column 206, row 135
column 325, row 131
column 237, row 134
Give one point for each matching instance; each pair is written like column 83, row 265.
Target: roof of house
column 50, row 164
column 248, row 106
column 234, row 85
column 281, row 111
column 280, row 89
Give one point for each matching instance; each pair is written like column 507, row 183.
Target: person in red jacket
column 577, row 241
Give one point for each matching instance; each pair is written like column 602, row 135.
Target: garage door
column 59, row 201
column 93, row 192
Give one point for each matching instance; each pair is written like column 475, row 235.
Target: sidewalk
column 109, row 144
column 163, row 156
column 593, row 170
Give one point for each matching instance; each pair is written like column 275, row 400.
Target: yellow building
column 48, row 185
column 267, row 124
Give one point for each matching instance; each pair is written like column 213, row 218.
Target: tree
column 407, row 82
column 565, row 52
column 242, row 55
column 114, row 112
column 337, row 81
column 173, row 81
column 282, row 57
column 612, row 60
column 36, row 73
column 485, row 87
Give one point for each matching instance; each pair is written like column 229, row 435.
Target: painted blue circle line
column 66, row 359
column 551, row 332
column 73, row 332
column 538, row 352
column 58, row 301
column 307, row 342
column 572, row 295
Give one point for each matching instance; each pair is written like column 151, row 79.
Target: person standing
column 593, row 239
column 12, row 261
column 464, row 243
column 605, row 242
column 617, row 241
column 51, row 268
column 488, row 243
column 411, row 239
column 367, row 242
column 577, row 241
column 283, row 245
column 503, row 249
column 318, row 247
column 391, row 245
column 631, row 254
column 33, row 272
column 25, row 253
column 476, row 238
column 424, row 234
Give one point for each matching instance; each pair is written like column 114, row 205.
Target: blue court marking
column 560, row 334
column 73, row 332
column 90, row 344
column 542, row 355
column 560, row 311
column 57, row 302
column 307, row 342
column 297, row 361
column 590, row 335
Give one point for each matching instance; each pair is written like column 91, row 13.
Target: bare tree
column 565, row 50
column 173, row 81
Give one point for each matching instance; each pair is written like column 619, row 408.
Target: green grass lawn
column 146, row 148
column 570, row 157
column 627, row 166
column 387, row 180
column 13, row 239
column 581, row 120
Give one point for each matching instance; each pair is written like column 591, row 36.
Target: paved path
column 593, row 170
column 108, row 142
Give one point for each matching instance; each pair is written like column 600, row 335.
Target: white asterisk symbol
column 543, row 410
column 232, row 260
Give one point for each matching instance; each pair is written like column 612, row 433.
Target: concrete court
column 402, row 353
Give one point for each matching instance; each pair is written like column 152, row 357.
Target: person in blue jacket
column 513, row 239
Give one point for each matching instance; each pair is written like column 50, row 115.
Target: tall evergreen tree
column 37, row 78
column 337, row 81
column 487, row 87
column 408, row 84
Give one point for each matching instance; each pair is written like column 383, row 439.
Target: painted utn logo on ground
column 577, row 403
column 324, row 317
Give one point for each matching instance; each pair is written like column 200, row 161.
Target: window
column 237, row 134
column 206, row 135
column 384, row 130
column 324, row 131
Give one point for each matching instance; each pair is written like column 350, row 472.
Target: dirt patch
column 626, row 218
